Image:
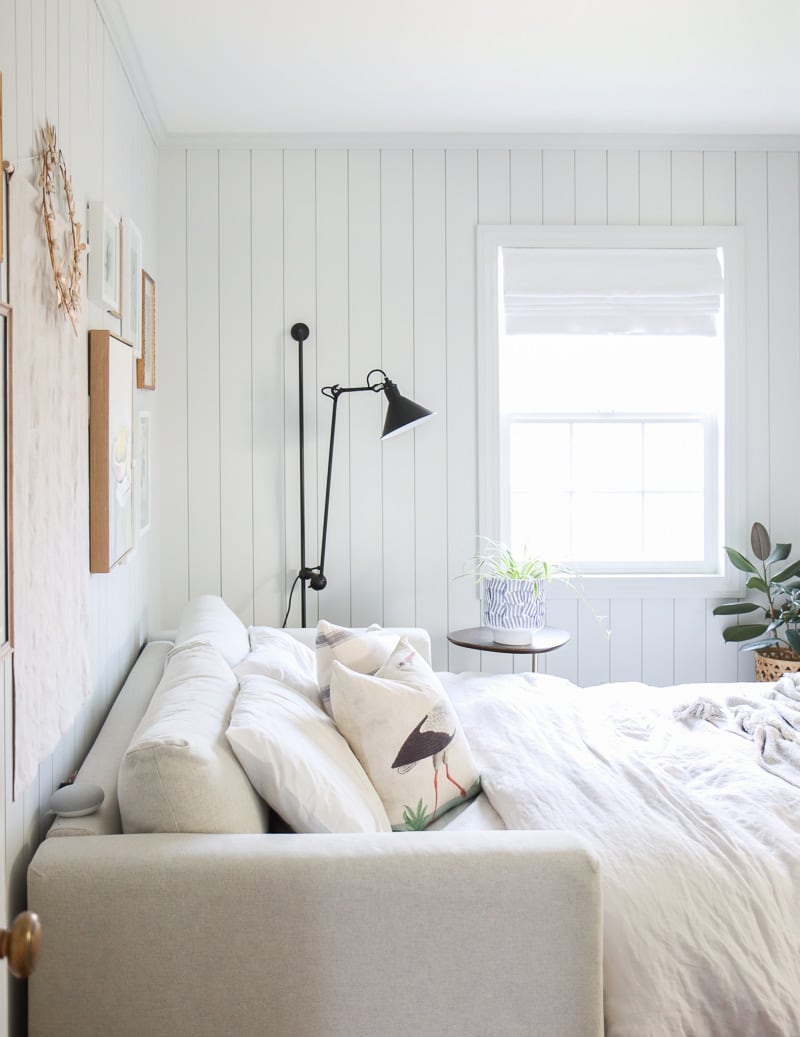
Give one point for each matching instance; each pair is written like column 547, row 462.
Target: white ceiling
column 464, row 66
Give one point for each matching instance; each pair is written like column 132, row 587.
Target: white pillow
column 360, row 650
column 179, row 774
column 403, row 728
column 208, row 618
column 274, row 653
column 298, row 761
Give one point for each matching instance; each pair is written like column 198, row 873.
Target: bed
column 696, row 826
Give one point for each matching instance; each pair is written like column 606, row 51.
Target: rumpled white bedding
column 699, row 845
column 771, row 718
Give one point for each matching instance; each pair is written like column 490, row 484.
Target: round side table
column 480, row 638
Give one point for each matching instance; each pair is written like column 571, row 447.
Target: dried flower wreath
column 67, row 272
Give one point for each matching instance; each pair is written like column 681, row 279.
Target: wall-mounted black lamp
column 401, row 414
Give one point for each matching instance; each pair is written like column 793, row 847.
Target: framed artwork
column 143, row 465
column 132, row 284
column 6, row 612
column 105, row 258
column 110, row 450
column 2, row 177
column 146, row 364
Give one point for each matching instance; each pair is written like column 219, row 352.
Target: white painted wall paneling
column 270, row 353
column 379, row 250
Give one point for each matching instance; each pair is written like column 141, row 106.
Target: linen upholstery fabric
column 299, row 763
column 362, row 650
column 275, row 653
column 402, row 727
column 179, row 774
column 207, row 618
column 453, row 934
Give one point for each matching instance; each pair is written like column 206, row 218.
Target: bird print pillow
column 404, row 731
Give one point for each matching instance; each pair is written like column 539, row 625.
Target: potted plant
column 513, row 590
column 775, row 638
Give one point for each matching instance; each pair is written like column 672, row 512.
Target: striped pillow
column 362, row 650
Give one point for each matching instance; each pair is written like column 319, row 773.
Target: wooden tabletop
column 544, row 640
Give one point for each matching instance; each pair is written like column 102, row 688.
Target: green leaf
column 740, row 561
column 778, row 553
column 793, row 637
column 744, row 631
column 787, row 573
column 759, row 541
column 736, row 608
column 759, row 646
column 755, row 583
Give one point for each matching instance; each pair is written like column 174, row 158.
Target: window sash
column 641, row 566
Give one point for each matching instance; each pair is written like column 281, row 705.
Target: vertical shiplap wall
column 59, row 65
column 374, row 247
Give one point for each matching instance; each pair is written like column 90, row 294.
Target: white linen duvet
column 699, row 844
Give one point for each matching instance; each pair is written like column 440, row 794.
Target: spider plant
column 498, row 560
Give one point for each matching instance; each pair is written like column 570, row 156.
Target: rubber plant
column 780, row 597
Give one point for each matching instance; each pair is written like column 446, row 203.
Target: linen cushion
column 207, row 618
column 361, row 650
column 299, row 762
column 274, row 653
column 403, row 728
column 178, row 773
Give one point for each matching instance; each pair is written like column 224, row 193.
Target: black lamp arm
column 316, row 575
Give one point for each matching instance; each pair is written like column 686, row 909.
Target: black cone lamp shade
column 401, row 414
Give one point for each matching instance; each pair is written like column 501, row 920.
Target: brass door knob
column 20, row 944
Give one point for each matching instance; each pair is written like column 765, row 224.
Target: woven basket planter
column 772, row 663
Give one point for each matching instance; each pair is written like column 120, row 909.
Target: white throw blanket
column 771, row 719
column 699, row 846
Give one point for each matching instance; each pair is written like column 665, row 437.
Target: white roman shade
column 638, row 291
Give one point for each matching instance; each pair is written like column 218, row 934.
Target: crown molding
column 511, row 141
column 122, row 40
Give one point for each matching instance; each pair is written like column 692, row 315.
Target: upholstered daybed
column 151, row 933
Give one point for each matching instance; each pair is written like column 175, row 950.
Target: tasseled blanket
column 771, row 721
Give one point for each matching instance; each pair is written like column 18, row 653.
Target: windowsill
column 663, row 585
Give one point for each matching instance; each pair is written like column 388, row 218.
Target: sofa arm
column 461, row 933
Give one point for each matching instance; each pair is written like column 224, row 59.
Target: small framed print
column 132, row 284
column 146, row 364
column 105, row 280
column 143, row 464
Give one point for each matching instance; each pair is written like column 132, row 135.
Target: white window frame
column 491, row 240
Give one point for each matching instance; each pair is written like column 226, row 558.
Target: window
column 609, row 391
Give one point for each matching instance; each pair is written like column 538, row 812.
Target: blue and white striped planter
column 513, row 609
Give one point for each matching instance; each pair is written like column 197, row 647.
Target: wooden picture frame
column 104, row 281
column 132, row 284
column 146, row 364
column 6, row 526
column 143, row 465
column 111, row 534
column 2, row 175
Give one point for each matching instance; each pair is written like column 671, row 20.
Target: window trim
column 490, row 240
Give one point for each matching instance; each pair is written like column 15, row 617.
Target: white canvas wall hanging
column 132, row 284
column 50, row 489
